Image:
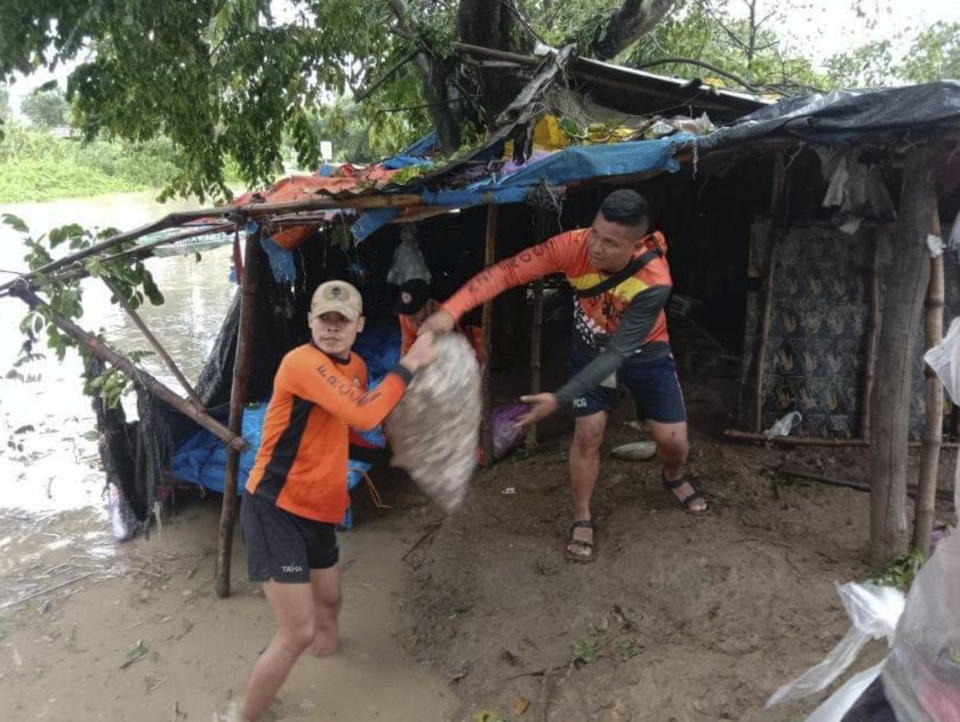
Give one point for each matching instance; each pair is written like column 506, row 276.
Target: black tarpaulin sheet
column 845, row 114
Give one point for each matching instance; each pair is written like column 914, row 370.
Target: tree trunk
column 486, row 343
column 906, row 285
column 491, row 24
column 634, row 19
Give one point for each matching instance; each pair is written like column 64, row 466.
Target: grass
column 35, row 166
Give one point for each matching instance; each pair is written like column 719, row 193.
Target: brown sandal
column 587, row 546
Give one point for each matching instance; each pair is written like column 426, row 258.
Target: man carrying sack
column 622, row 282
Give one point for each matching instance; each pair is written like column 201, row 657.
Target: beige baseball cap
column 339, row 297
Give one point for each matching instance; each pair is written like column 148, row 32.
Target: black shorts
column 284, row 547
column 652, row 382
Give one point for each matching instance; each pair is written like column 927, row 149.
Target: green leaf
column 15, row 222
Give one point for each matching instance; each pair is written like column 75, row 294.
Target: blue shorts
column 652, row 381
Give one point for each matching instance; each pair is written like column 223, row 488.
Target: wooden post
column 541, row 231
column 138, row 322
column 536, row 331
column 238, row 396
column 873, row 332
column 486, row 342
column 933, row 398
column 896, row 352
column 777, row 220
column 106, row 353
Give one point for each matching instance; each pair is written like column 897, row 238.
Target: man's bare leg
column 672, row 448
column 325, row 584
column 292, row 605
column 584, row 470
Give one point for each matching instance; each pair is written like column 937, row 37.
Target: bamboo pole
column 106, row 353
column 391, row 200
column 138, row 322
column 925, row 508
column 238, row 396
column 144, row 251
column 873, row 333
column 777, row 205
column 486, row 342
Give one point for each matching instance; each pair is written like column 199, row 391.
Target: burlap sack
column 435, row 428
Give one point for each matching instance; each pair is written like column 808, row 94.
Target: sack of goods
column 435, row 428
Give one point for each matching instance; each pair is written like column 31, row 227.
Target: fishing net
column 434, row 430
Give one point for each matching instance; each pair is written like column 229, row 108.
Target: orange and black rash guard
column 301, row 465
column 624, row 320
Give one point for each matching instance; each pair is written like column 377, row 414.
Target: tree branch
column 364, row 93
column 689, row 61
column 634, row 19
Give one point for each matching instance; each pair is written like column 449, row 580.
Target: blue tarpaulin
column 569, row 165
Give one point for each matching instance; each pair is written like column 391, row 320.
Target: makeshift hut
column 799, row 241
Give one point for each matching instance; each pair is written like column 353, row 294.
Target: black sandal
column 688, row 500
column 587, row 546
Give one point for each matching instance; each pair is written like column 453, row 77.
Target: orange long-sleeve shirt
column 301, row 465
column 596, row 319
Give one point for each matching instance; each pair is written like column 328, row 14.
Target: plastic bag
column 434, row 430
column 921, row 677
column 944, row 359
column 408, row 261
column 784, row 425
column 874, row 611
column 505, row 427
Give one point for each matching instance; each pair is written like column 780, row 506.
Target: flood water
column 48, row 448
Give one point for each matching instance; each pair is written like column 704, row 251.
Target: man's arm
column 528, row 265
column 634, row 328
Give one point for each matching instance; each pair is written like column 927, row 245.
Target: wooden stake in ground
column 486, row 342
column 933, row 398
column 105, row 352
column 238, row 396
column 896, row 351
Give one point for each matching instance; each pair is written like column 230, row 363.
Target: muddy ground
column 450, row 618
column 679, row 618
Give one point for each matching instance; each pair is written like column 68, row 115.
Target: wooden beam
column 138, row 322
column 486, row 342
column 106, row 353
column 925, row 508
column 904, row 292
column 238, row 396
column 849, row 483
column 814, row 440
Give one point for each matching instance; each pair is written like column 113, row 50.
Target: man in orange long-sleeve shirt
column 620, row 275
column 297, row 489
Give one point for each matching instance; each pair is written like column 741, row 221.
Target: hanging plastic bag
column 784, row 425
column 434, row 430
column 921, row 677
column 408, row 261
column 944, row 360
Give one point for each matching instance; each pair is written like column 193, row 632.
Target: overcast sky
column 827, row 27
